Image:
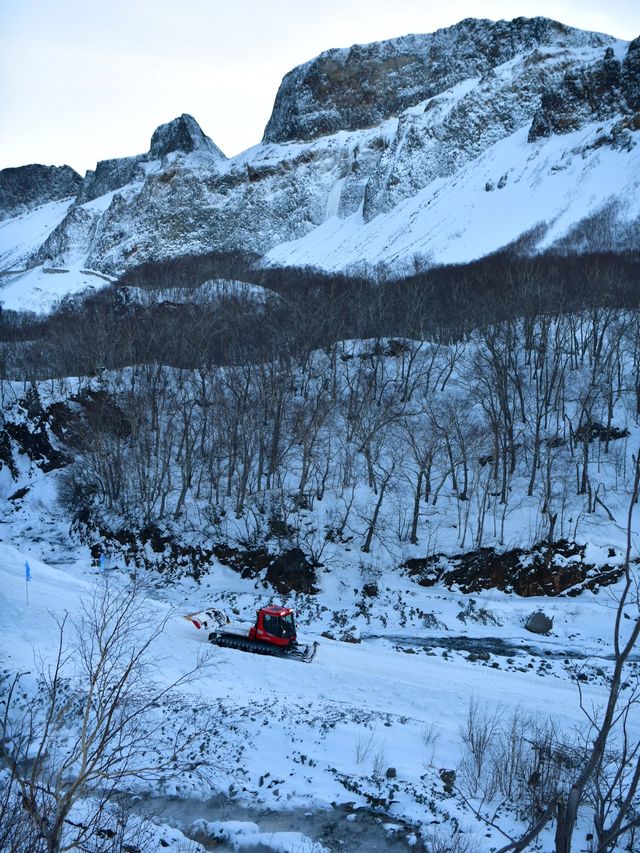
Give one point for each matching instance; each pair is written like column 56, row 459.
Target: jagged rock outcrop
column 630, row 75
column 363, row 85
column 595, row 93
column 481, row 81
column 179, row 212
column 457, row 125
column 110, row 175
column 70, row 241
column 182, row 134
column 25, row 187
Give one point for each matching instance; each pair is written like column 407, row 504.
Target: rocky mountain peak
column 182, row 134
column 361, row 86
column 440, row 135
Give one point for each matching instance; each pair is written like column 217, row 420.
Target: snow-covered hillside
column 374, row 722
column 528, row 125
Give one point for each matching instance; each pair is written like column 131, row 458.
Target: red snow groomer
column 274, row 632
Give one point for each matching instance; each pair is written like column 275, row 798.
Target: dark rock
column 26, row 187
column 182, row 134
column 350, row 636
column 476, row 656
column 152, row 535
column 526, row 572
column 630, row 75
column 166, row 552
column 595, row 431
column 396, row 348
column 539, row 623
column 448, row 778
column 249, row 563
column 34, row 442
column 19, row 494
column 6, row 454
column 110, row 175
column 292, row 572
column 584, row 95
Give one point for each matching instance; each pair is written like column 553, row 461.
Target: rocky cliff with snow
column 423, row 149
column 26, row 187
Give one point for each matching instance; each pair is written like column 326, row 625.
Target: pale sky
column 82, row 80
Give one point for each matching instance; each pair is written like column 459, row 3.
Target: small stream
column 341, row 829
column 492, row 646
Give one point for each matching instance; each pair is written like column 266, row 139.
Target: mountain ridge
column 546, row 114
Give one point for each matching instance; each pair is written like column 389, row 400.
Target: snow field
column 293, row 735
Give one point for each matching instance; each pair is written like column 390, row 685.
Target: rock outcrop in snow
column 110, row 175
column 182, row 134
column 26, row 187
column 606, row 89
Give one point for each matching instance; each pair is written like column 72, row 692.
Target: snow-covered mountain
column 423, row 149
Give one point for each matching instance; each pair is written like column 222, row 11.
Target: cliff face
column 437, row 147
column 26, row 187
column 363, row 85
column 603, row 90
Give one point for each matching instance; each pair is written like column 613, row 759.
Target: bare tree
column 616, row 790
column 97, row 721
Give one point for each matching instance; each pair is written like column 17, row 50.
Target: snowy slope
column 41, row 289
column 320, row 730
column 21, row 236
column 511, row 189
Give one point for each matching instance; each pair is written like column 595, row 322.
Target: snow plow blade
column 211, row 618
column 304, row 653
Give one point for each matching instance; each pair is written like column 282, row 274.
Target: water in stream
column 340, row 830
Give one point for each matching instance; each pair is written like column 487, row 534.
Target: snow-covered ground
column 41, row 289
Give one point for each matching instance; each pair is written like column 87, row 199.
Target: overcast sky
column 82, row 80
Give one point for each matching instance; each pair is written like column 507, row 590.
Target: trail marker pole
column 27, row 578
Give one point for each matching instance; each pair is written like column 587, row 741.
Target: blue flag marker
column 27, row 578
